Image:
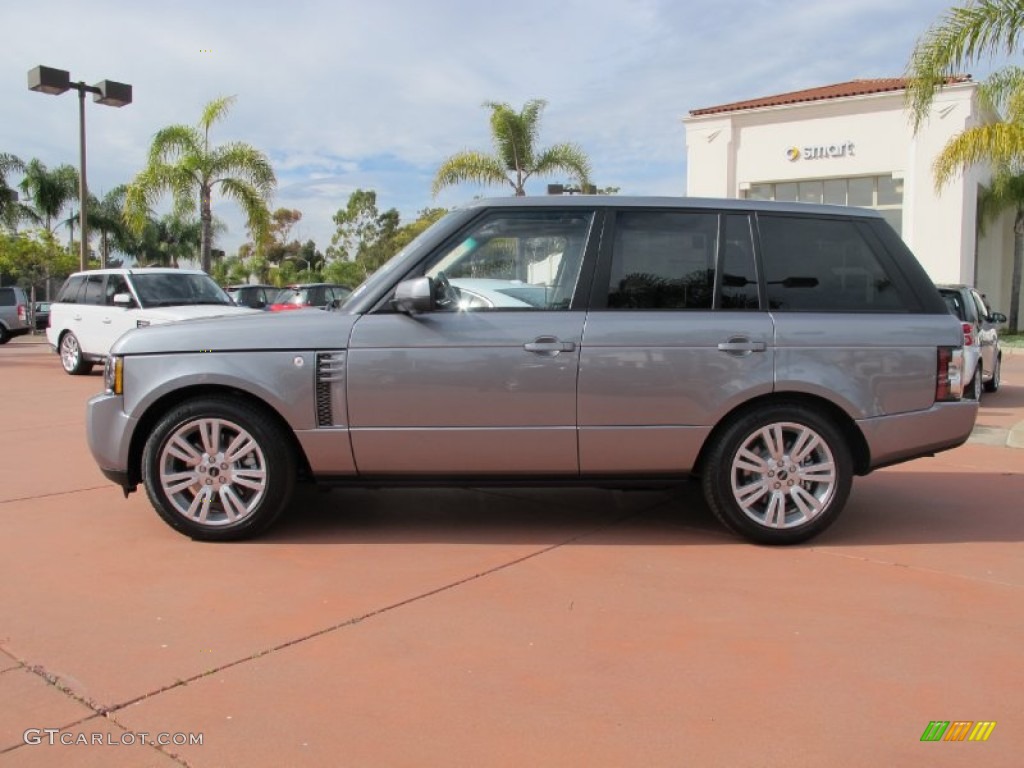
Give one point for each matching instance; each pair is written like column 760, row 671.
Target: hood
column 189, row 311
column 249, row 330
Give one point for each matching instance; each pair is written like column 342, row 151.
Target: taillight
column 968, row 334
column 949, row 379
column 22, row 313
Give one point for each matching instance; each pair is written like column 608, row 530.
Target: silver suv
column 13, row 313
column 772, row 350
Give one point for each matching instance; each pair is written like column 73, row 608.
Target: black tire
column 223, row 504
column 992, row 385
column 801, row 494
column 72, row 359
column 974, row 389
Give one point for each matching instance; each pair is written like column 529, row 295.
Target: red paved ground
column 505, row 628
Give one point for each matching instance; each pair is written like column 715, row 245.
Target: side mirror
column 414, row 296
column 123, row 300
column 997, row 317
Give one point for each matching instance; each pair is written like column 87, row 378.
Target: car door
column 117, row 319
column 87, row 317
column 487, row 391
column 674, row 340
column 986, row 333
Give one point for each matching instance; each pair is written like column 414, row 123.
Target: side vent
column 330, row 368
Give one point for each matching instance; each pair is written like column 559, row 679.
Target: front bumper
column 109, row 431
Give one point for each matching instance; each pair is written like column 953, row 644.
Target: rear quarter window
column 6, row 297
column 824, row 265
column 69, row 293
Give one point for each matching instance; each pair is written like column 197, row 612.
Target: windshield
column 168, row 289
column 292, row 296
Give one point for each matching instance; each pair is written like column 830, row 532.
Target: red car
column 304, row 295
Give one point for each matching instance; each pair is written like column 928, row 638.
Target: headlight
column 113, row 375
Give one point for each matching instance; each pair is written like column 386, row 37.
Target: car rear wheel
column 218, row 470
column 992, row 385
column 71, row 357
column 780, row 475
column 4, row 335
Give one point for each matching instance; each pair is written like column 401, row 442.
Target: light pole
column 113, row 94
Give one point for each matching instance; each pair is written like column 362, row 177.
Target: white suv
column 95, row 307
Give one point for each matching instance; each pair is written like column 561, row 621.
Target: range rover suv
column 13, row 313
column 772, row 350
column 94, row 308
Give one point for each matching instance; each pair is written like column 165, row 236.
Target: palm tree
column 1005, row 192
column 965, row 35
column 517, row 156
column 106, row 216
column 182, row 162
column 49, row 191
column 11, row 211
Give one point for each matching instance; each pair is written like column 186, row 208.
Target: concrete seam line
column 56, row 493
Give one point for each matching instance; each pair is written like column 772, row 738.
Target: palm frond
column 963, row 35
column 474, row 167
column 253, row 202
column 564, row 158
column 215, row 111
column 245, row 162
column 996, row 143
column 173, row 143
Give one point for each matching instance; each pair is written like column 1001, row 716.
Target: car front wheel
column 71, row 357
column 218, row 470
column 780, row 475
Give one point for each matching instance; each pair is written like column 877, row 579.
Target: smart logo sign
column 820, row 151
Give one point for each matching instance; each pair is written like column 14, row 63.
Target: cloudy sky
column 344, row 95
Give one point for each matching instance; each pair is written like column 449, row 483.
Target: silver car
column 772, row 350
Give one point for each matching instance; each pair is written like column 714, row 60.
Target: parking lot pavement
column 503, row 627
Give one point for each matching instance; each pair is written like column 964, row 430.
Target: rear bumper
column 906, row 436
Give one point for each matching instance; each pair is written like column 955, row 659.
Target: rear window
column 823, row 265
column 69, row 293
column 6, row 297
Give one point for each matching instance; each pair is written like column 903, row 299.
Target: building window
column 881, row 193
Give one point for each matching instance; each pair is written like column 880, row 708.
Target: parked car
column 983, row 359
column 13, row 313
column 94, row 308
column 666, row 344
column 41, row 311
column 252, row 295
column 305, row 295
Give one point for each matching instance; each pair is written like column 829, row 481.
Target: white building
column 853, row 144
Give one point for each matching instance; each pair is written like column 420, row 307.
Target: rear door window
column 823, row 265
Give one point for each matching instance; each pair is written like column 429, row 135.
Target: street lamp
column 108, row 92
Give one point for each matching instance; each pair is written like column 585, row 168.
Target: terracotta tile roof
column 836, row 91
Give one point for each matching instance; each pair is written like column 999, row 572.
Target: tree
column 964, row 35
column 106, row 216
column 182, row 162
column 50, row 192
column 363, row 233
column 33, row 258
column 11, row 211
column 516, row 156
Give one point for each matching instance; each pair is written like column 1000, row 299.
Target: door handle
column 741, row 345
column 549, row 346
column 106, row 320
column 77, row 317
